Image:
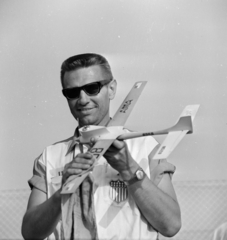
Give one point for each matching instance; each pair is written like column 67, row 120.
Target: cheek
column 72, row 105
column 105, row 107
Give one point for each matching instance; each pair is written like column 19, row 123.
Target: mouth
column 85, row 110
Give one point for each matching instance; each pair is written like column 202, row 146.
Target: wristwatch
column 139, row 175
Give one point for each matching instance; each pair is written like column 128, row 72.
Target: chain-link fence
column 13, row 204
column 203, row 205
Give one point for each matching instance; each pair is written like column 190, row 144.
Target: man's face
column 90, row 110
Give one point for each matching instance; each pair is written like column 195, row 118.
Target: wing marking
column 128, row 104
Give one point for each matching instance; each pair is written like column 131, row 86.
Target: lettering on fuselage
column 148, row 134
column 125, row 106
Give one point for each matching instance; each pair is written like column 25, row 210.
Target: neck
column 104, row 122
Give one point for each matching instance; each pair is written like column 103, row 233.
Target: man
column 145, row 207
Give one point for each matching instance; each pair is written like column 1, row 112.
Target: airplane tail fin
column 173, row 138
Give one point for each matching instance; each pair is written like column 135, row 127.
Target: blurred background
column 179, row 47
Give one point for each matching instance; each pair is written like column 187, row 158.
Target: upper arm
column 36, row 198
column 38, row 183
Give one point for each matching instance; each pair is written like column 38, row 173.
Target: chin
column 87, row 122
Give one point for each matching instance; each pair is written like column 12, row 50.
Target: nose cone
column 90, row 131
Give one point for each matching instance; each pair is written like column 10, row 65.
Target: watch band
column 139, row 175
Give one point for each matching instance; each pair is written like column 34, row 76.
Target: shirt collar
column 74, row 142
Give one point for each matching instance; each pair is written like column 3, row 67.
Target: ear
column 112, row 89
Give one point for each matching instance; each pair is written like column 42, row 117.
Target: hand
column 119, row 157
column 117, row 154
column 80, row 163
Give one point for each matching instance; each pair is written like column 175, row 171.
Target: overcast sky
column 179, row 47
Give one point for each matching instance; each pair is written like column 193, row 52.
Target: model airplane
column 115, row 130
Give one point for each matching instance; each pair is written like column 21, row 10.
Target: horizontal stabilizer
column 173, row 138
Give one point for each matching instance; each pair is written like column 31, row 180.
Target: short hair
column 83, row 61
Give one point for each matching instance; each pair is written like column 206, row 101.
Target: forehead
column 82, row 76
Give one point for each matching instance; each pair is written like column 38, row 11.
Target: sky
column 178, row 47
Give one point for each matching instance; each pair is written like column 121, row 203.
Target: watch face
column 139, row 174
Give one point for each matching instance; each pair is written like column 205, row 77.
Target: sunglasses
column 91, row 89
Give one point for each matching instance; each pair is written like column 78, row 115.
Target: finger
column 167, row 167
column 78, row 160
column 118, row 144
column 93, row 140
column 73, row 171
column 84, row 165
column 86, row 155
column 70, row 172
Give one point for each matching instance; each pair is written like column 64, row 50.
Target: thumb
column 119, row 144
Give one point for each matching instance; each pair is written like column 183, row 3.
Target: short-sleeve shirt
column 114, row 207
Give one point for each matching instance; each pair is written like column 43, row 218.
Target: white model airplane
column 115, row 130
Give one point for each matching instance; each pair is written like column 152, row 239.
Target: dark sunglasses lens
column 92, row 89
column 72, row 93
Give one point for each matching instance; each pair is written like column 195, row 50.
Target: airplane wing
column 128, row 104
column 97, row 150
column 173, row 138
column 102, row 145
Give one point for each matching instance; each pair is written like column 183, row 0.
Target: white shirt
column 117, row 216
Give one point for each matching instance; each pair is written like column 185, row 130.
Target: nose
column 83, row 98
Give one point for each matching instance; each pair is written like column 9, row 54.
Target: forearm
column 160, row 210
column 40, row 221
column 157, row 204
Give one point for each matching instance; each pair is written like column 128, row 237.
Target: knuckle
column 89, row 155
column 66, row 166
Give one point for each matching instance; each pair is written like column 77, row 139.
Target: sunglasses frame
column 99, row 83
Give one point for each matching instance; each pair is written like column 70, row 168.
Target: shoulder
column 54, row 151
column 60, row 145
